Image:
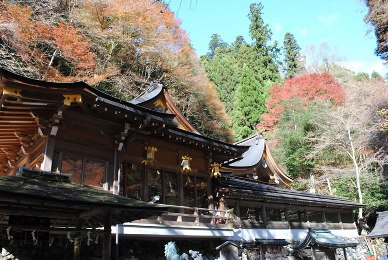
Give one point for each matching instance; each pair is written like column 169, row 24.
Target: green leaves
column 375, row 193
column 243, row 73
column 291, row 55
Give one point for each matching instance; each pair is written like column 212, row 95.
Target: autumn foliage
column 305, row 89
column 118, row 46
column 41, row 45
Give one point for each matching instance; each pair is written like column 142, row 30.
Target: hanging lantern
column 186, row 163
column 150, row 156
column 215, row 170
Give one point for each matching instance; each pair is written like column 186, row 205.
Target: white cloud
column 365, row 66
column 328, row 20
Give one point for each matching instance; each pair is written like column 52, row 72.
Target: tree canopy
column 242, row 73
column 378, row 17
column 304, row 89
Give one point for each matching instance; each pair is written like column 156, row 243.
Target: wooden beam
column 48, row 154
column 26, row 116
column 34, row 212
column 27, row 108
column 28, row 125
column 5, row 112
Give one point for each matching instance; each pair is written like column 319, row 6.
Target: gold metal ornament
column 215, row 170
column 150, row 157
column 186, row 163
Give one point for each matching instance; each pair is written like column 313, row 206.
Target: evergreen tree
column 246, row 104
column 239, row 41
column 258, row 30
column 265, row 54
column 376, row 76
column 215, row 42
column 223, row 70
column 291, row 55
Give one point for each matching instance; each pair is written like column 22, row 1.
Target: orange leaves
column 72, row 45
column 305, row 89
column 39, row 44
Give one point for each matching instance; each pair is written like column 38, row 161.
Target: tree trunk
column 357, row 170
column 49, row 65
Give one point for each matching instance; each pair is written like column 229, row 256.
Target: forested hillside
column 118, row 46
column 331, row 135
column 327, row 125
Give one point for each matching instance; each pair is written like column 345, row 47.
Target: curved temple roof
column 323, row 237
column 251, row 157
column 257, row 160
column 156, row 97
column 381, row 227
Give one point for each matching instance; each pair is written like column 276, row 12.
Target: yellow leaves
column 384, row 113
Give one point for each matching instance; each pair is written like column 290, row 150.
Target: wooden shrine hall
column 72, row 158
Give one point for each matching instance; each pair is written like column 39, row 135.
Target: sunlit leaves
column 45, row 46
column 305, row 88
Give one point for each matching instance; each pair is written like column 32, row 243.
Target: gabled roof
column 251, row 157
column 381, row 226
column 257, row 160
column 156, row 97
column 239, row 188
column 323, row 237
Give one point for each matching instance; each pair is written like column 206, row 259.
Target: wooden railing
column 185, row 215
column 193, row 216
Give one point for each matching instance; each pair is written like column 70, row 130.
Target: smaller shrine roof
column 381, row 227
column 252, row 156
column 152, row 92
column 257, row 160
column 323, row 237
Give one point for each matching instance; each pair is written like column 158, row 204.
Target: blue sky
column 337, row 22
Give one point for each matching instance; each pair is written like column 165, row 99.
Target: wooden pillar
column 264, row 215
column 180, row 189
column 48, row 154
column 145, row 182
column 117, row 243
column 237, row 205
column 346, row 257
column 106, row 247
column 117, row 171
